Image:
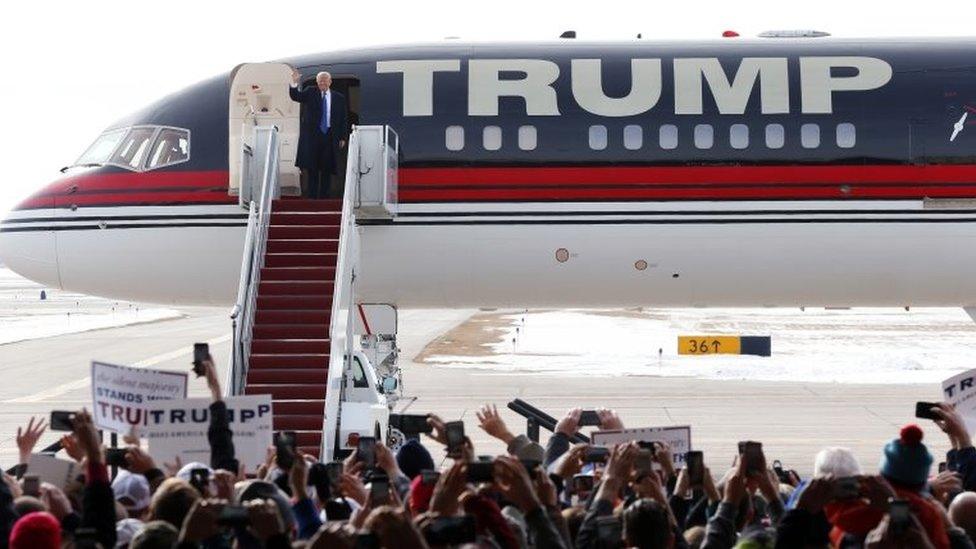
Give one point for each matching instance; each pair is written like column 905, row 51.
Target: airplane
column 782, row 172
column 958, row 126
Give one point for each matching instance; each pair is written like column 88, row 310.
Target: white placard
column 960, row 390
column 179, row 428
column 120, row 394
column 678, row 437
column 59, row 472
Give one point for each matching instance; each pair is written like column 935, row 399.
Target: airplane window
column 739, row 136
column 704, row 135
column 454, row 138
column 598, row 137
column 100, row 151
column 172, row 146
column 810, row 136
column 492, row 138
column 775, row 136
column 846, row 135
column 527, row 138
column 133, row 148
column 668, row 136
column 633, row 137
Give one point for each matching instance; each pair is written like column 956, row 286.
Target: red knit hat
column 38, row 530
column 420, row 495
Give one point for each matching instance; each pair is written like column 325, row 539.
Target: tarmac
column 793, row 420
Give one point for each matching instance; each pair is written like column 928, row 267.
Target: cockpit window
column 103, row 147
column 139, row 148
column 172, row 146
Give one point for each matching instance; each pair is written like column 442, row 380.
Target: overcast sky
column 71, row 69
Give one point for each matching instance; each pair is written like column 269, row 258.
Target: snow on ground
column 23, row 315
column 847, row 346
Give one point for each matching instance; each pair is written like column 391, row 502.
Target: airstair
column 293, row 331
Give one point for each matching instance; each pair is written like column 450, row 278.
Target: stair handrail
column 265, row 157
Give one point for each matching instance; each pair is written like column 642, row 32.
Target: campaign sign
column 960, row 390
column 678, row 437
column 120, row 394
column 179, row 428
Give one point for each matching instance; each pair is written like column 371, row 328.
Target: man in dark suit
column 323, row 133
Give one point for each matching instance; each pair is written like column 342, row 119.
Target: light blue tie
column 324, row 123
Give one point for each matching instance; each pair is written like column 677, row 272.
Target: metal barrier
column 536, row 418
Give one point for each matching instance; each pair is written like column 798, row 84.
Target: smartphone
column 200, row 479
column 366, row 451
column 644, row 462
column 410, row 424
column 379, row 491
column 589, row 417
column 115, row 457
column 333, row 473
column 455, row 436
column 32, row 485
column 62, row 420
column 233, row 516
column 752, row 454
column 596, row 454
column 943, row 466
column 847, row 488
column 923, row 410
column 451, row 530
column 532, row 467
column 366, row 540
column 898, row 513
column 582, row 483
column 286, row 448
column 608, row 531
column 201, row 352
column 337, row 510
column 481, row 471
column 695, row 467
column 429, row 477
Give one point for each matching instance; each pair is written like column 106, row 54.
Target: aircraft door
column 259, row 97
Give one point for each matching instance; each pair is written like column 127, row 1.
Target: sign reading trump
column 121, row 394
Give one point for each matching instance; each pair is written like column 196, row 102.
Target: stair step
column 277, row 361
column 302, row 245
column 299, row 408
column 305, row 218
column 305, row 316
column 309, row 438
column 287, row 376
column 290, row 346
column 293, row 302
column 290, row 331
column 294, row 287
column 303, row 232
column 306, row 205
column 298, row 422
column 286, row 392
column 316, row 274
column 299, row 260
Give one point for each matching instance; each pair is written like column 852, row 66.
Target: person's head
column 126, row 530
column 962, row 513
column 157, row 534
column 132, row 491
column 694, row 536
column 172, row 501
column 412, row 458
column 323, row 80
column 261, row 490
column 906, row 461
column 646, row 525
column 36, row 531
column 25, row 505
column 837, row 461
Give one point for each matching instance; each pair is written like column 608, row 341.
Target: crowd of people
column 564, row 495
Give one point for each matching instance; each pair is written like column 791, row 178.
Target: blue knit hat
column 906, row 460
column 413, row 458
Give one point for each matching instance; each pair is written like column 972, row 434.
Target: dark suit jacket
column 311, row 100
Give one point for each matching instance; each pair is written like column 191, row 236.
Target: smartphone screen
column 923, row 410
column 429, row 477
column 596, row 454
column 481, row 471
column 285, row 448
column 366, row 451
column 644, row 462
column 233, row 515
column 32, row 485
column 455, row 435
column 201, row 352
column 582, row 483
column 589, row 417
column 847, row 488
column 898, row 512
column 753, row 456
column 200, row 479
column 410, row 424
column 379, row 491
column 62, row 420
column 115, row 457
column 695, row 463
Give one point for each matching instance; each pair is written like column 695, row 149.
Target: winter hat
column 413, row 458
column 131, row 490
column 36, row 531
column 906, row 460
column 420, row 495
column 126, row 530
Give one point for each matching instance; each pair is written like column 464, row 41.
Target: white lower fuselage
column 829, row 253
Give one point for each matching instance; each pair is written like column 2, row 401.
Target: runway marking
column 65, row 388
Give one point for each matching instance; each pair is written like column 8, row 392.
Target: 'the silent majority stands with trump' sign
column 960, row 390
column 121, row 394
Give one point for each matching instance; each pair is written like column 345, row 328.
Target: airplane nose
column 28, row 245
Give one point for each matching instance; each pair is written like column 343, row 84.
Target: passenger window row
column 703, row 137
